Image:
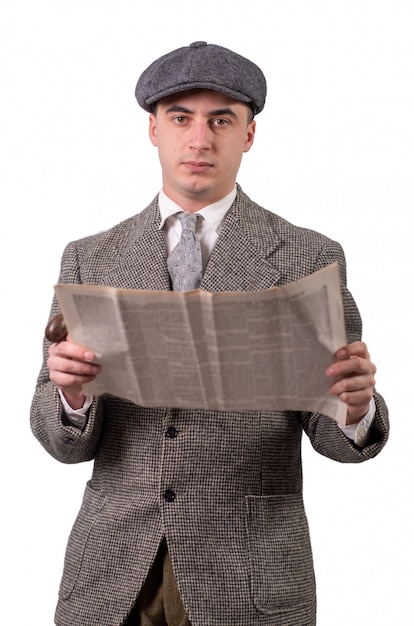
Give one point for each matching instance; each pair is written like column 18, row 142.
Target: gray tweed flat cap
column 202, row 66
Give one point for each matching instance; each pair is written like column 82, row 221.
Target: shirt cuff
column 78, row 417
column 359, row 432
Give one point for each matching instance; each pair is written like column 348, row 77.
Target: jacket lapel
column 239, row 261
column 143, row 262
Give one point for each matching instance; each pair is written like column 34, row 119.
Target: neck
column 192, row 205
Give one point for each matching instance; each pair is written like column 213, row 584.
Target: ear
column 153, row 129
column 251, row 129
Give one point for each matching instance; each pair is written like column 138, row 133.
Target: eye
column 219, row 121
column 180, row 119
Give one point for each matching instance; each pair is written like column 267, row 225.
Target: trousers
column 159, row 603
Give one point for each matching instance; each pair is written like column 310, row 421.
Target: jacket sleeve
column 329, row 440
column 66, row 443
column 324, row 433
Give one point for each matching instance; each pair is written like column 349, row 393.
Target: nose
column 200, row 138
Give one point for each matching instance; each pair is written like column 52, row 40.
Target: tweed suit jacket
column 223, row 488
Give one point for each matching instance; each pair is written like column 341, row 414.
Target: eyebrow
column 177, row 108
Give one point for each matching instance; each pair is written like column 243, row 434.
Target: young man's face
column 201, row 136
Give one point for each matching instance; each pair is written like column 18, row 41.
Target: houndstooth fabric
column 223, row 488
column 184, row 262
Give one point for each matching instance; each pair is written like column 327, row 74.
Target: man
column 196, row 517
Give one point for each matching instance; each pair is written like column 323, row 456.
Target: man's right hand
column 70, row 367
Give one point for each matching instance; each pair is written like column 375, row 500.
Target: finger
column 357, row 399
column 357, row 348
column 72, row 366
column 354, row 384
column 67, row 381
column 70, row 350
column 66, row 373
column 357, row 402
column 353, row 366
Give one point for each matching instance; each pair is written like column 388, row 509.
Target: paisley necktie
column 184, row 262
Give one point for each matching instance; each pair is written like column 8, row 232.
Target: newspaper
column 234, row 351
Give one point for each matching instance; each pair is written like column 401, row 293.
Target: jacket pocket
column 92, row 504
column 281, row 564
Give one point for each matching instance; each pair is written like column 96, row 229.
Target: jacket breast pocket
column 281, row 564
column 92, row 505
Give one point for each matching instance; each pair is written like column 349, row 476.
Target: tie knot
column 188, row 221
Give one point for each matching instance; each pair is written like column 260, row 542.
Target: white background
column 333, row 151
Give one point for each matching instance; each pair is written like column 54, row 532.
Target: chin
column 198, row 187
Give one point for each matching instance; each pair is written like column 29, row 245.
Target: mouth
column 197, row 166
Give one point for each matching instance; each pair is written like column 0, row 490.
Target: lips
column 197, row 166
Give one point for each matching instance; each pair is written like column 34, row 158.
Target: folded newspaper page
column 234, row 351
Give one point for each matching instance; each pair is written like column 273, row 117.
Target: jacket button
column 171, row 432
column 68, row 441
column 169, row 495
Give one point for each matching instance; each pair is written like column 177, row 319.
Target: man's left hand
column 353, row 378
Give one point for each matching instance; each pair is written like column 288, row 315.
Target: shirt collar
column 212, row 213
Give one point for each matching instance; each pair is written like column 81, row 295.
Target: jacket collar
column 239, row 260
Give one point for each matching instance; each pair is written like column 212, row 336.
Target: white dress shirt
column 207, row 230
